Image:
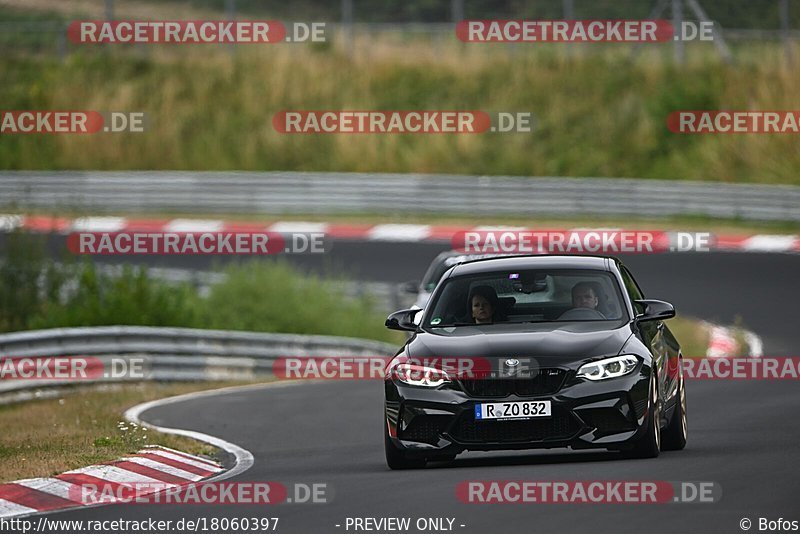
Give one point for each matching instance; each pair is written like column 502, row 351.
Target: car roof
column 597, row 263
column 452, row 257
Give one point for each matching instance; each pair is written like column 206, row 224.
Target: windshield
column 526, row 296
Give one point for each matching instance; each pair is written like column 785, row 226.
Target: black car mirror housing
column 403, row 320
column 655, row 310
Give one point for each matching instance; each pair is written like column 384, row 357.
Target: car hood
column 560, row 344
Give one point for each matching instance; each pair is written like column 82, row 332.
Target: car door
column 658, row 338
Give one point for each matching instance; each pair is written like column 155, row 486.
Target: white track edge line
column 243, row 458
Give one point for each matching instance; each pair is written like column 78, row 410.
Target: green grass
column 82, row 427
column 599, row 114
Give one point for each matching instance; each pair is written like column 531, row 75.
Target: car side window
column 632, row 288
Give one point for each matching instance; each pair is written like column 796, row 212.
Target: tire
column 395, row 458
column 649, row 446
column 673, row 437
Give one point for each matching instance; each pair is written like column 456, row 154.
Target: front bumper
column 607, row 414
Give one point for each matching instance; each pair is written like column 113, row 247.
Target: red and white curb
column 154, row 465
column 722, row 342
column 157, row 466
column 406, row 233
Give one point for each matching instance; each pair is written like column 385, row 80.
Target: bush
column 274, row 298
column 257, row 296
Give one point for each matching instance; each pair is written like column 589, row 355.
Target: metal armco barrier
column 172, row 353
column 336, row 193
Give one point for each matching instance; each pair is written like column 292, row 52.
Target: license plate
column 512, row 410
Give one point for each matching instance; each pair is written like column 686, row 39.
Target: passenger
column 584, row 296
column 484, row 305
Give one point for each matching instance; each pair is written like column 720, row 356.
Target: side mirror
column 403, row 320
column 655, row 310
column 410, row 287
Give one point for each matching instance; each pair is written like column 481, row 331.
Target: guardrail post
column 785, row 29
column 569, row 14
column 394, row 298
column 61, row 43
column 456, row 11
column 230, row 14
column 456, row 16
column 347, row 26
column 677, row 23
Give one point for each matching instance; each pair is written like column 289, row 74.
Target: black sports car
column 535, row 352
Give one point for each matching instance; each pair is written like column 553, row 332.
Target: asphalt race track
column 743, row 435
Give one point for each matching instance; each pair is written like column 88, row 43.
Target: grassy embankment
column 598, row 114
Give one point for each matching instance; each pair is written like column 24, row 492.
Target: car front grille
column 544, row 382
column 561, row 425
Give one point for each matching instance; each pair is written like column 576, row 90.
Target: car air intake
column 560, row 426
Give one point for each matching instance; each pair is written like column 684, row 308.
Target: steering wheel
column 580, row 314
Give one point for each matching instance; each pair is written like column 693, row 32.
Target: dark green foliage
column 256, row 296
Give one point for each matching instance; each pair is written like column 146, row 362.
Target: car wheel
column 674, row 436
column 650, row 444
column 395, row 458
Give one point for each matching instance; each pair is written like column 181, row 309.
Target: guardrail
column 337, row 193
column 170, row 353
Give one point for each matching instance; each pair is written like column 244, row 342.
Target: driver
column 484, row 304
column 584, row 296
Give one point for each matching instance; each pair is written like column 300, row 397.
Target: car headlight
column 608, row 368
column 419, row 375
